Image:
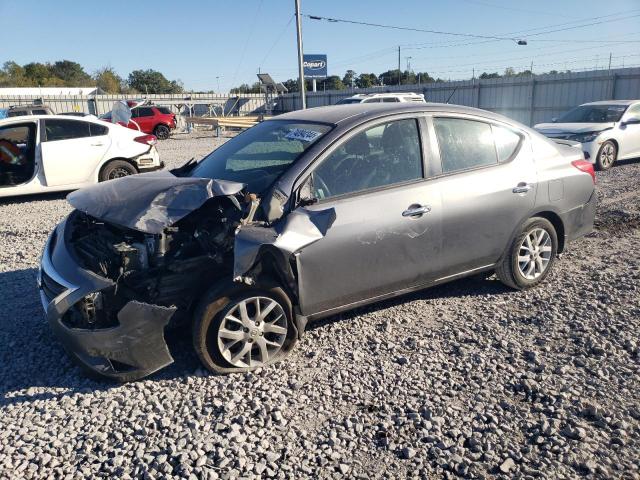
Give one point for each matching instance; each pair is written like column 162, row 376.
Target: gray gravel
column 467, row 379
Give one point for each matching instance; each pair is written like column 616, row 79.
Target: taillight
column 586, row 167
column 147, row 139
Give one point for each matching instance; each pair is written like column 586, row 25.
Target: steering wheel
column 318, row 179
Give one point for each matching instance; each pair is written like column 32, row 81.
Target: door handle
column 416, row 210
column 522, row 188
column 97, row 144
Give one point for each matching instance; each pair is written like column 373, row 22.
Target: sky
column 216, row 45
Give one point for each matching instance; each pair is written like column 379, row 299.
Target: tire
column 116, row 169
column 162, row 132
column 607, row 155
column 512, row 269
column 212, row 316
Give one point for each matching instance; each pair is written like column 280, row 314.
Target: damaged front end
column 132, row 260
column 138, row 253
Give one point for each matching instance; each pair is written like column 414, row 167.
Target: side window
column 390, row 100
column 17, row 153
column 65, row 129
column 464, row 144
column 164, row 110
column 39, row 112
column 507, row 142
column 372, row 100
column 98, row 130
column 634, row 111
column 145, row 112
column 382, row 155
column 135, row 112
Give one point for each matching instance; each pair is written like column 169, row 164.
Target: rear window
column 507, row 142
column 18, row 113
column 164, row 110
column 464, row 144
column 39, row 112
column 145, row 112
column 98, row 130
column 65, row 129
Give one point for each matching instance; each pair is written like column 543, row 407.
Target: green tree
column 366, row 80
column 108, row 80
column 246, row 88
column 486, row 75
column 509, row 72
column 390, row 77
column 333, row 82
column 71, row 73
column 152, row 81
column 40, row 74
column 349, row 78
column 13, row 75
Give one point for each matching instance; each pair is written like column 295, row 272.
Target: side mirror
column 305, row 194
column 554, row 119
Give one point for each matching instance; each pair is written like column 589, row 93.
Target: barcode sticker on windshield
column 302, row 135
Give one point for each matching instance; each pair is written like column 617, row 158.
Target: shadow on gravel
column 40, row 197
column 629, row 161
column 474, row 286
column 32, row 359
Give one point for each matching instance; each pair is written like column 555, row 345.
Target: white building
column 50, row 91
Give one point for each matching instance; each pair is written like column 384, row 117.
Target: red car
column 151, row 119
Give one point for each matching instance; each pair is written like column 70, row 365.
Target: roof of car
column 22, row 118
column 336, row 114
column 612, row 102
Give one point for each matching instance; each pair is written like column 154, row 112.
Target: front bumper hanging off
column 133, row 349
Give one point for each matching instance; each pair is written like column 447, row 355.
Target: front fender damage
column 279, row 245
column 137, row 344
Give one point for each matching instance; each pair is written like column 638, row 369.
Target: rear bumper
column 149, row 161
column 132, row 349
column 579, row 221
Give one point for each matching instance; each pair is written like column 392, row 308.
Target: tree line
column 351, row 79
column 65, row 73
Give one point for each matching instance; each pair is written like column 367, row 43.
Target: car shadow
column 628, row 161
column 470, row 286
column 37, row 197
column 34, row 366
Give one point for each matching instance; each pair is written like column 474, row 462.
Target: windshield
column 258, row 156
column 593, row 114
column 349, row 100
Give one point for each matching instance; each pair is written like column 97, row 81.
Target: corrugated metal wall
column 529, row 100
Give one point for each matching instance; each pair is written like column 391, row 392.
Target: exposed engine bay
column 171, row 268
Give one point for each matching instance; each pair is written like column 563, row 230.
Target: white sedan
column 608, row 130
column 48, row 153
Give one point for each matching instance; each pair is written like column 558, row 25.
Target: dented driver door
column 386, row 235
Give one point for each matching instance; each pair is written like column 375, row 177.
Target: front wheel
column 243, row 331
column 531, row 255
column 607, row 155
column 162, row 132
column 116, row 169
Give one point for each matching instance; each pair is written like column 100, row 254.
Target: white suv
column 383, row 97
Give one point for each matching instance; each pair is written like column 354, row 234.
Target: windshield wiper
column 185, row 168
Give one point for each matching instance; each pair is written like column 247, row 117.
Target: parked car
column 32, row 109
column 302, row 216
column 383, row 98
column 608, row 130
column 48, row 153
column 158, row 121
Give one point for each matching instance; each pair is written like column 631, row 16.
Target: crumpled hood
column 551, row 129
column 149, row 202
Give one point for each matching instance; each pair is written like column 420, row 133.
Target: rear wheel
column 607, row 155
column 162, row 132
column 116, row 169
column 243, row 331
column 531, row 255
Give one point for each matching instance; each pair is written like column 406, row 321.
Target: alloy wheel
column 607, row 155
column 534, row 253
column 252, row 332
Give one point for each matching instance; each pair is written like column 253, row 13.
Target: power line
column 411, row 29
column 277, row 39
column 502, row 7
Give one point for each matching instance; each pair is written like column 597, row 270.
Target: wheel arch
column 557, row 223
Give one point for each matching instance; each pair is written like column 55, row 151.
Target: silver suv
column 383, row 98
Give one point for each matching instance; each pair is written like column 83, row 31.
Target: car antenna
column 454, row 91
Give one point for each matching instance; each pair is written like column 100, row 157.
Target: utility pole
column 531, row 69
column 399, row 71
column 610, row 55
column 303, row 99
column 408, row 59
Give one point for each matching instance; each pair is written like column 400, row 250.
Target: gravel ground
column 468, row 379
